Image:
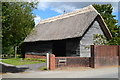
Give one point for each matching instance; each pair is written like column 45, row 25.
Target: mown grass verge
column 19, row 61
column 43, row 68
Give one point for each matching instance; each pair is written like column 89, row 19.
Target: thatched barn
column 67, row 34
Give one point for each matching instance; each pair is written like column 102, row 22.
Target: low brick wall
column 56, row 62
column 72, row 61
column 34, row 56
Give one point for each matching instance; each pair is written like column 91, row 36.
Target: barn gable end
column 87, row 39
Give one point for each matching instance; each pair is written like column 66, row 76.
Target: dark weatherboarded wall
column 68, row 47
column 38, row 47
column 73, row 47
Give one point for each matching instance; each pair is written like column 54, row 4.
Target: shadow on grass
column 11, row 69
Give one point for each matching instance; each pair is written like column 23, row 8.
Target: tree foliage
column 17, row 22
column 99, row 39
column 105, row 11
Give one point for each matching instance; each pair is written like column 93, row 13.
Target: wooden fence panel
column 104, row 55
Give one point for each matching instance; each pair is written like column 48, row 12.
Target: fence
column 104, row 55
column 101, row 55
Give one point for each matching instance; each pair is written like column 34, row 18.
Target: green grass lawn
column 18, row 61
column 42, row 68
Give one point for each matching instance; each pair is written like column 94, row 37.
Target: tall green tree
column 17, row 22
column 0, row 27
column 105, row 11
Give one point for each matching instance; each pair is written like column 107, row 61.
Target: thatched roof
column 69, row 25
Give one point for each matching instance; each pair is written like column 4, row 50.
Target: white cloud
column 60, row 7
column 42, row 5
column 71, row 6
column 79, row 0
column 37, row 19
column 64, row 7
column 60, row 0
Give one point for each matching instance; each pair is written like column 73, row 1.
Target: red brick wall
column 70, row 62
column 73, row 62
column 51, row 62
column 34, row 56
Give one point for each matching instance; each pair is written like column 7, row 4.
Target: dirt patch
column 73, row 69
column 103, row 67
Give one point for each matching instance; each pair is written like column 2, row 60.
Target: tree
column 17, row 22
column 0, row 28
column 106, row 12
column 99, row 39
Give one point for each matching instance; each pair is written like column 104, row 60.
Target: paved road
column 7, row 68
column 32, row 66
column 92, row 73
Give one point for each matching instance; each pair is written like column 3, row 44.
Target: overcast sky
column 49, row 9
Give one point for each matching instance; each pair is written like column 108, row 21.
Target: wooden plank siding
column 87, row 39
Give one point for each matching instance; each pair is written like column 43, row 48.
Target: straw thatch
column 69, row 25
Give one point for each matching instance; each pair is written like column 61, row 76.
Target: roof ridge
column 79, row 11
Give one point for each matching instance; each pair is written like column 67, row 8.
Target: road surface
column 110, row 72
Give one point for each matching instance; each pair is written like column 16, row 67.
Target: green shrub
column 27, row 59
column 43, row 60
column 33, row 59
column 38, row 59
column 43, row 68
column 19, row 56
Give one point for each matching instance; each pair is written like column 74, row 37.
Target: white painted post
column 15, row 52
column 47, row 57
